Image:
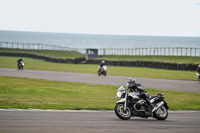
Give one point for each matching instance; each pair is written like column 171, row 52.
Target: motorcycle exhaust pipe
column 158, row 106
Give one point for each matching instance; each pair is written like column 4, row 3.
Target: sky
column 123, row 17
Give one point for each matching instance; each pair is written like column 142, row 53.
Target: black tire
column 104, row 73
column 121, row 113
column 99, row 73
column 161, row 113
column 18, row 66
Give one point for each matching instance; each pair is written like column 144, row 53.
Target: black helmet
column 130, row 82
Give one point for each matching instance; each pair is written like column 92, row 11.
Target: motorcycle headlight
column 119, row 94
column 127, row 84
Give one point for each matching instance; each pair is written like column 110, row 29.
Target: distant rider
column 134, row 87
column 19, row 61
column 198, row 69
column 101, row 65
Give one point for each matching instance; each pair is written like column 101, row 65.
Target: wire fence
column 37, row 46
column 156, row 51
column 160, row 51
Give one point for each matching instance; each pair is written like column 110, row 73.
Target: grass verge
column 48, row 53
column 34, row 64
column 171, row 59
column 25, row 93
column 74, row 54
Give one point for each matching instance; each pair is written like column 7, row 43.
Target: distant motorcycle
column 198, row 76
column 131, row 105
column 102, row 70
column 21, row 65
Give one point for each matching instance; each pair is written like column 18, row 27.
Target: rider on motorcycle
column 19, row 61
column 198, row 73
column 137, row 87
column 198, row 69
column 102, row 64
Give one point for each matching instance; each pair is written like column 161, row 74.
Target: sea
column 74, row 40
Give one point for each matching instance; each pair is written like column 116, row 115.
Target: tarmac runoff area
column 163, row 84
column 73, row 121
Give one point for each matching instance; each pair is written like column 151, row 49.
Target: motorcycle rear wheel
column 121, row 113
column 104, row 73
column 20, row 67
column 99, row 73
column 161, row 113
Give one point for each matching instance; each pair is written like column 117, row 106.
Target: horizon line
column 98, row 33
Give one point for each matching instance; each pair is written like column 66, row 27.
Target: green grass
column 34, row 64
column 48, row 53
column 172, row 59
column 25, row 93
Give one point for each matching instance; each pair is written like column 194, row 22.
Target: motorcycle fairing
column 121, row 100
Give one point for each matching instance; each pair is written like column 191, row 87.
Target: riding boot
column 150, row 104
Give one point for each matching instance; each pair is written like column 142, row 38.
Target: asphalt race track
column 37, row 121
column 164, row 84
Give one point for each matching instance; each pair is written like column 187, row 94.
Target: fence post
column 164, row 52
column 199, row 51
column 149, row 51
column 139, row 51
column 153, row 51
column 168, row 51
column 186, row 51
column 143, row 51
column 135, row 51
column 181, row 51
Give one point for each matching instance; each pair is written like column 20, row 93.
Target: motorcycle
column 198, row 76
column 131, row 105
column 102, row 70
column 21, row 65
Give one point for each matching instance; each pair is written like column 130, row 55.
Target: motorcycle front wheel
column 121, row 113
column 161, row 113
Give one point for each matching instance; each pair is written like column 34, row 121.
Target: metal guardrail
column 160, row 51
